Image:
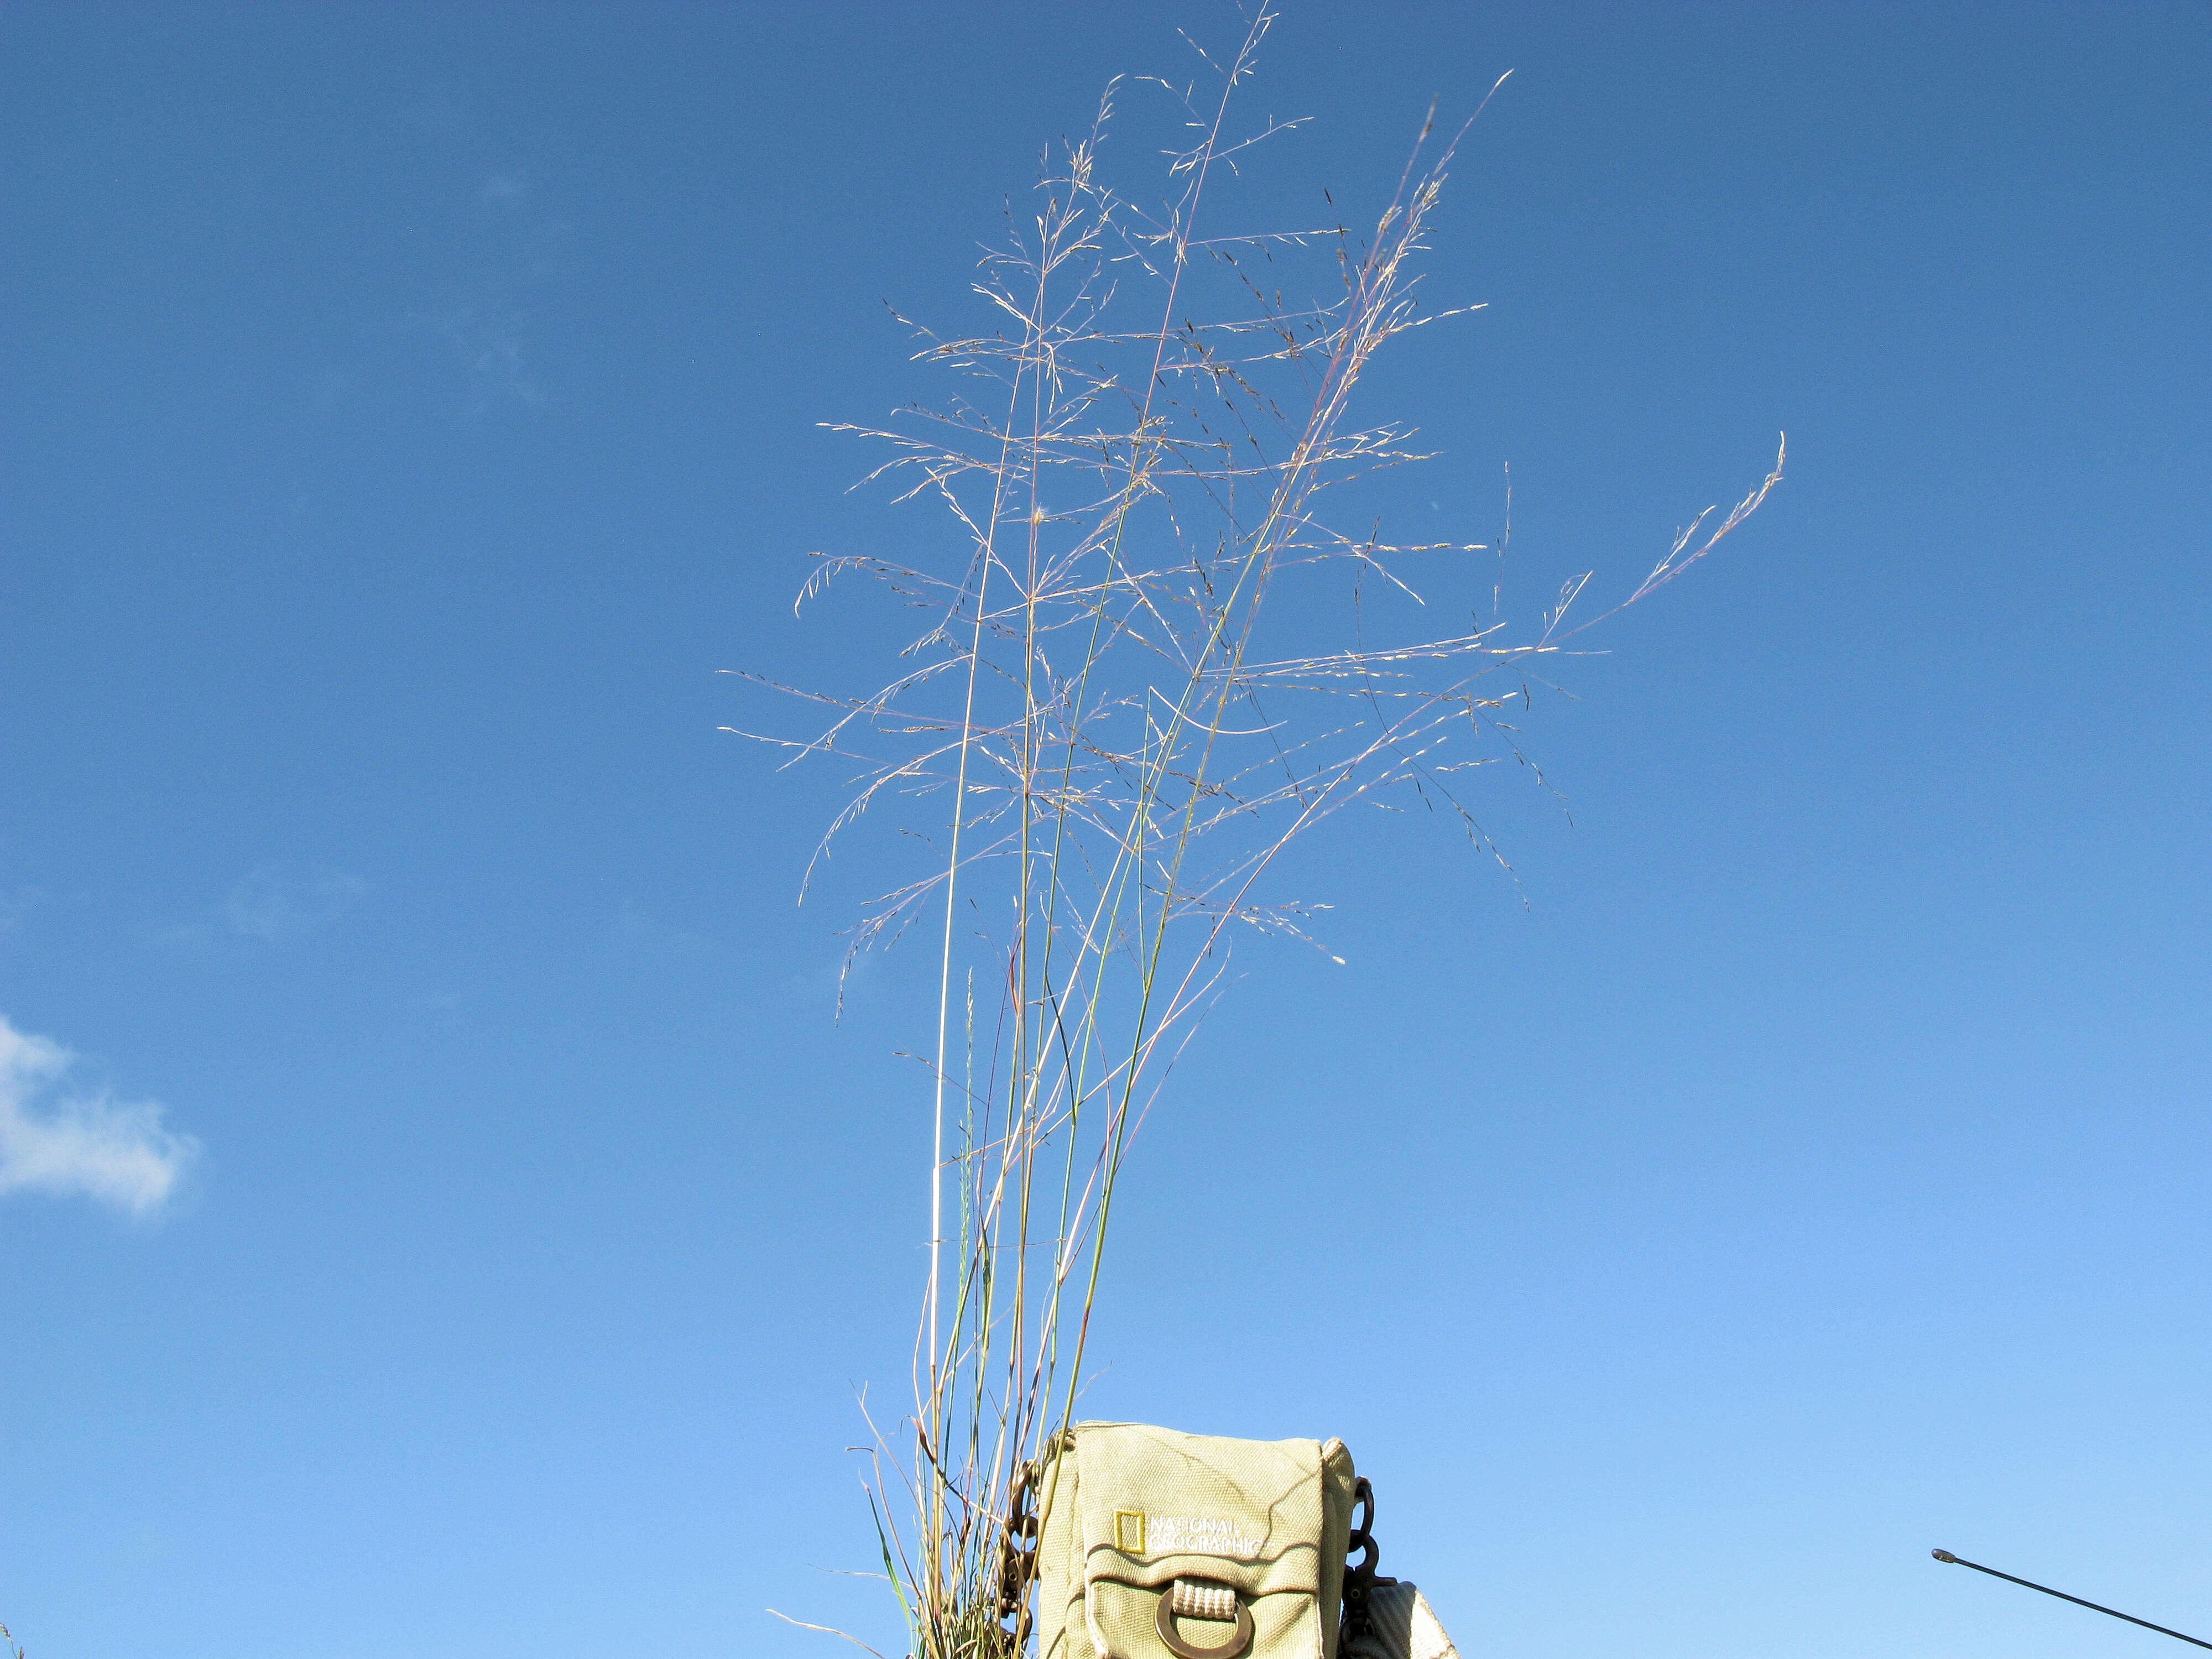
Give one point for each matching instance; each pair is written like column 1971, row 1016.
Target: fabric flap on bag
column 1400, row 1625
column 1154, row 1505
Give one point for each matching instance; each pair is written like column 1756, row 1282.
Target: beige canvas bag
column 1154, row 1543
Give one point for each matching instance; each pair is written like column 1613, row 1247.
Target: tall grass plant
column 1122, row 708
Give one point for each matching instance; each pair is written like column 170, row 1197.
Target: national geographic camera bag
column 1151, row 1543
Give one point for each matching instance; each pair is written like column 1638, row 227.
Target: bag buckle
column 1201, row 1598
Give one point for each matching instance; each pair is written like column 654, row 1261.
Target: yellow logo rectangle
column 1129, row 1531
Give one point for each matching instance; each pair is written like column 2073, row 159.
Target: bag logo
column 1137, row 1533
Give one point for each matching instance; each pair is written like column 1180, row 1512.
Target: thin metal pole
column 1946, row 1555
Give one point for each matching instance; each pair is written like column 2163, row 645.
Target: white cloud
column 113, row 1151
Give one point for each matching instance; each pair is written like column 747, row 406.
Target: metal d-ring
column 1164, row 1621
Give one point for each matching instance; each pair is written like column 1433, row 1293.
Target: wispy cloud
column 513, row 247
column 634, row 926
column 116, row 1152
column 487, row 338
column 16, row 902
column 277, row 902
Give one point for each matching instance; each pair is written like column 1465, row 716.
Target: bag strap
column 1360, row 1579
column 1017, row 1559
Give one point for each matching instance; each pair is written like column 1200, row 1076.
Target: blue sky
column 441, row 1212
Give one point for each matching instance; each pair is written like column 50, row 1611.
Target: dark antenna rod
column 1946, row 1555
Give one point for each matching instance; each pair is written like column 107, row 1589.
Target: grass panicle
column 1152, row 662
